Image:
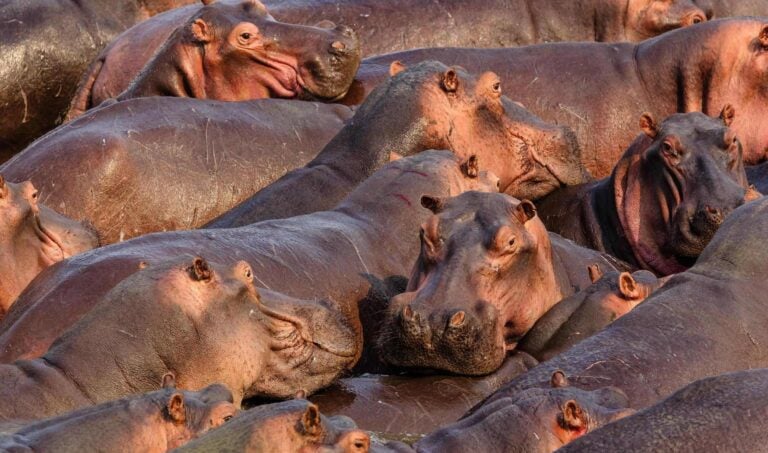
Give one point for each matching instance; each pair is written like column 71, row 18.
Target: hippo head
column 247, row 54
column 298, row 424
column 482, row 279
column 535, row 420
column 675, row 186
column 648, row 18
column 441, row 107
column 617, row 293
column 33, row 238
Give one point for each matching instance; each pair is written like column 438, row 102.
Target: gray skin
column 723, row 8
column 289, row 255
column 150, row 422
column 46, row 46
column 179, row 318
column 664, row 200
column 286, row 427
column 162, row 164
column 599, row 90
column 438, row 107
column 723, row 413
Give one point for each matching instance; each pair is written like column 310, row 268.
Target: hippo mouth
column 282, row 77
column 51, row 248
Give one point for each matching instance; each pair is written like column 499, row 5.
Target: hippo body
column 618, row 82
column 41, row 69
column 159, row 164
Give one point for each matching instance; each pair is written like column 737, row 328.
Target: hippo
column 235, row 52
column 443, row 108
column 288, row 255
column 290, row 426
column 461, row 311
column 162, row 164
column 390, row 25
column 46, row 46
column 181, row 317
column 33, row 238
column 664, row 200
column 719, row 413
column 724, row 8
column 151, row 422
column 600, row 89
column 611, row 296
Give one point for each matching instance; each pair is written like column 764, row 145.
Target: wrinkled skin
column 721, row 413
column 32, row 238
column 235, row 52
column 289, row 255
column 151, row 422
column 533, row 421
column 463, row 310
column 711, row 319
column 437, row 108
column 695, row 69
column 585, row 313
column 187, row 314
column 162, row 164
column 291, row 426
column 665, row 199
column 46, row 46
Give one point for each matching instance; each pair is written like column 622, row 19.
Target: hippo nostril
column 714, row 215
column 407, row 313
column 338, row 46
column 457, row 320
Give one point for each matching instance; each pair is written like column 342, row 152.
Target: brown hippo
column 235, row 52
column 33, row 237
column 665, row 199
column 288, row 255
column 443, row 108
column 160, row 164
column 151, row 422
column 287, row 427
column 391, row 25
column 600, row 89
column 721, row 413
column 583, row 314
column 181, row 317
column 462, row 311
column 46, row 46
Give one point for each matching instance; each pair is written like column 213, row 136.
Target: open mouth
column 52, row 250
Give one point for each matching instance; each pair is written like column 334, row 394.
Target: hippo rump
column 389, row 25
column 33, row 237
column 159, row 164
column 177, row 320
column 462, row 310
column 47, row 44
column 289, row 255
column 290, row 426
column 436, row 107
column 721, row 413
column 234, row 52
column 665, row 198
column 151, row 422
column 600, row 90
column 703, row 322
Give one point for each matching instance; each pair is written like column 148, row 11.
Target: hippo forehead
column 222, row 13
column 694, row 124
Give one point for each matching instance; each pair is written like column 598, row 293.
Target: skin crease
column 699, row 68
column 438, row 107
column 300, row 426
column 232, row 52
column 665, row 198
column 151, row 422
column 218, row 154
column 161, row 320
column 40, row 70
column 385, row 212
column 461, row 312
column 32, row 238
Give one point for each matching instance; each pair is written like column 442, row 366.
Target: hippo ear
column 300, row 395
column 176, row 410
column 434, row 204
column 393, row 156
column 310, row 420
column 525, row 211
column 169, row 380
column 628, row 287
column 764, row 36
column 396, row 67
column 200, row 270
column 208, row 2
column 595, row 273
column 727, row 114
column 559, row 380
column 648, row 125
column 751, row 194
column 470, row 168
column 201, row 31
column 450, row 82
column 3, row 190
column 573, row 417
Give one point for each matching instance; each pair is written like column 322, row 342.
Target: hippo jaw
column 51, row 249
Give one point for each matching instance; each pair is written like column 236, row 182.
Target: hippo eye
column 511, row 242
column 245, row 36
column 34, row 195
column 497, row 87
column 669, row 150
column 227, row 418
column 248, row 273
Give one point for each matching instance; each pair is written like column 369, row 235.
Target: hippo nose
column 338, row 48
column 714, row 216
